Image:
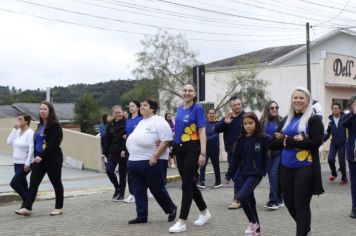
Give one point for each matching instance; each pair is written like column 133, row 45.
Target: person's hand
column 226, row 181
column 228, row 117
column 122, row 154
column 103, row 157
column 37, row 159
column 278, row 135
column 124, row 136
column 153, row 161
column 201, row 160
column 298, row 137
column 26, row 168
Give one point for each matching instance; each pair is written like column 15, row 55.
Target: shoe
column 56, row 212
column 119, row 198
column 201, row 185
column 129, row 199
column 343, row 182
column 272, row 205
column 332, row 178
column 178, row 227
column 310, row 232
column 115, row 193
column 172, row 215
column 281, row 204
column 137, row 221
column 203, row 218
column 353, row 213
column 23, row 212
column 234, row 205
column 252, row 228
column 173, row 166
column 217, row 185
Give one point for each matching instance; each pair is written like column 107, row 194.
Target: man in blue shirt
column 230, row 125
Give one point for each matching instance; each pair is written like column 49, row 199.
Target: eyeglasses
column 274, row 108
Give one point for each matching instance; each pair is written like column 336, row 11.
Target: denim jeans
column 19, row 181
column 338, row 149
column 110, row 171
column 273, row 170
column 144, row 176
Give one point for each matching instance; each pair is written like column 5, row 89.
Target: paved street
column 96, row 214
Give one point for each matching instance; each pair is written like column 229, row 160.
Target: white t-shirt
column 336, row 120
column 22, row 146
column 144, row 140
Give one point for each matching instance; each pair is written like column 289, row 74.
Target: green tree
column 167, row 59
column 87, row 113
column 144, row 88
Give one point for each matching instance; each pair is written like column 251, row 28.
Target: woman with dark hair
column 48, row 159
column 21, row 140
column 190, row 150
column 131, row 123
column 269, row 122
column 114, row 152
column 148, row 147
column 172, row 159
column 299, row 137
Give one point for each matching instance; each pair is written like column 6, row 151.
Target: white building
column 333, row 71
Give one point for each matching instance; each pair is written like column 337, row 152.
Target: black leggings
column 53, row 168
column 296, row 187
column 187, row 155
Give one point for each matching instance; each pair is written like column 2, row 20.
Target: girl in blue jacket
column 249, row 164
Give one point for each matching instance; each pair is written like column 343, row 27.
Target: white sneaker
column 203, row 218
column 129, row 199
column 178, row 227
column 251, row 229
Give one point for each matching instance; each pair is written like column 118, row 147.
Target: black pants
column 296, row 187
column 110, row 172
column 213, row 154
column 53, row 168
column 187, row 155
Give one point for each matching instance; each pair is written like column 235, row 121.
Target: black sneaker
column 119, row 198
column 137, row 221
column 201, row 185
column 172, row 215
column 116, row 193
column 217, row 185
column 353, row 213
column 272, row 205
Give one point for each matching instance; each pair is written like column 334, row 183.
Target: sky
column 47, row 43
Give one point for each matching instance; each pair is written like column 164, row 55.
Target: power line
column 142, row 24
column 339, row 13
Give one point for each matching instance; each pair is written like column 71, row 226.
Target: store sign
column 340, row 70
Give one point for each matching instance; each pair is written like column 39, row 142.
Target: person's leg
column 342, row 161
column 274, row 195
column 202, row 170
column 122, row 175
column 331, row 161
column 302, row 196
column 129, row 181
column 19, row 182
column 352, row 170
column 286, row 181
column 214, row 156
column 54, row 172
column 137, row 168
column 156, row 184
column 37, row 174
column 165, row 167
column 110, row 172
column 246, row 196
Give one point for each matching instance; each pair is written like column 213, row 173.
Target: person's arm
column 11, row 137
column 29, row 158
column 314, row 139
column 202, row 139
column 347, row 120
column 328, row 133
column 162, row 147
column 234, row 163
column 220, row 126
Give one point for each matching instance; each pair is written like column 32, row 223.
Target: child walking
column 248, row 167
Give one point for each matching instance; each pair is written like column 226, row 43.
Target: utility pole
column 308, row 58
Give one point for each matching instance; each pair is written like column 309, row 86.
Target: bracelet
column 203, row 154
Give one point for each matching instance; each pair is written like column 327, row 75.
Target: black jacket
column 114, row 142
column 312, row 143
column 53, row 135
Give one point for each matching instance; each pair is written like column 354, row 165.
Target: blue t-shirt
column 292, row 157
column 131, row 124
column 40, row 139
column 188, row 122
column 270, row 128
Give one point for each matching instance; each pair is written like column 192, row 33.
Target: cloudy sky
column 47, row 43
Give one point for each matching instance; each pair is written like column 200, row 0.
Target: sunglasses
column 274, row 108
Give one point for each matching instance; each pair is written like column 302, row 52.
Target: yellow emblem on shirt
column 304, row 155
column 190, row 133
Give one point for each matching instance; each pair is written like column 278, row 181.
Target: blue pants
column 273, row 171
column 246, row 196
column 144, row 176
column 19, row 181
column 338, row 149
column 213, row 154
column 110, row 171
column 352, row 168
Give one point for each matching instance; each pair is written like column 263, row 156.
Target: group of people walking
column 287, row 149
